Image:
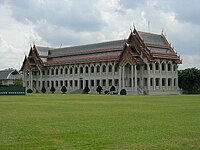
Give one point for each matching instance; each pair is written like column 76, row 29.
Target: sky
column 73, row 22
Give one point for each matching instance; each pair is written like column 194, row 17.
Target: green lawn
column 99, row 122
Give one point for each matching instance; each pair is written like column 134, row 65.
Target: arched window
column 92, row 69
column 150, row 67
column 75, row 70
column 61, row 70
column 71, row 70
column 104, row 68
column 81, row 70
column 66, row 70
column 110, row 68
column 163, row 66
column 157, row 66
column 169, row 66
column 98, row 69
column 86, row 69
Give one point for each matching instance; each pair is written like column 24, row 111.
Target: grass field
column 99, row 122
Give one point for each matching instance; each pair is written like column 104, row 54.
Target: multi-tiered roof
column 139, row 45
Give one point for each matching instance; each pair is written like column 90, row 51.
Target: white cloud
column 73, row 22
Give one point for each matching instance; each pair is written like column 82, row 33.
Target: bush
column 43, row 89
column 99, row 89
column 86, row 90
column 52, row 89
column 29, row 91
column 112, row 89
column 64, row 89
column 107, row 92
column 123, row 92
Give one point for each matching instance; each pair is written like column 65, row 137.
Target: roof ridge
column 75, row 46
column 155, row 34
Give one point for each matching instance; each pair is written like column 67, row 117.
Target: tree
column 112, row 89
column 64, row 89
column 189, row 80
column 99, row 89
column 43, row 89
column 29, row 91
column 86, row 90
column 52, row 89
column 123, row 92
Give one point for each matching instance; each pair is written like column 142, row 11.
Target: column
column 132, row 83
column 31, row 80
column 123, row 75
column 154, row 78
column 120, row 78
column 95, row 74
column 148, row 77
column 78, row 77
column 113, row 74
column 160, row 81
column 107, row 77
column 135, row 78
column 100, row 75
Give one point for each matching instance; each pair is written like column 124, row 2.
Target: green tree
column 86, row 90
column 64, row 89
column 99, row 89
column 189, row 80
column 112, row 89
column 52, row 89
column 43, row 89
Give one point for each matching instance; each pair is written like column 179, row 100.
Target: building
column 8, row 76
column 145, row 63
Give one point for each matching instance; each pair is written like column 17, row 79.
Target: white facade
column 152, row 78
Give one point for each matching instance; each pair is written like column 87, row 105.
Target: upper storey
column 138, row 46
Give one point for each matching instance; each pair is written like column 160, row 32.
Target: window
column 47, row 83
column 145, row 81
column 43, row 83
column 56, row 83
column 169, row 82
column 104, row 82
column 163, row 66
column 163, row 81
column 71, row 83
column 157, row 66
column 169, row 67
column 150, row 67
column 57, row 71
column 116, row 68
column 110, row 68
column 175, row 82
column 98, row 69
column 86, row 69
column 98, row 82
column 81, row 70
column 76, row 83
column 76, row 70
column 66, row 70
column 61, row 83
column 66, row 83
column 52, row 71
column 116, row 82
column 71, row 70
column 92, row 69
column 43, row 72
column 52, row 84
column 104, row 68
column 92, row 82
column 61, row 71
column 110, row 82
column 145, row 67
column 151, row 82
column 157, row 81
column 48, row 72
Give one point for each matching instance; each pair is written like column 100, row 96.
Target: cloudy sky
column 74, row 22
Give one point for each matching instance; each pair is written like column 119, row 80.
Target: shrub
column 99, row 89
column 52, row 89
column 43, row 89
column 64, row 89
column 29, row 91
column 112, row 89
column 123, row 92
column 86, row 90
column 107, row 92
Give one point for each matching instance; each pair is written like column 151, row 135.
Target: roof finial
column 162, row 32
column 134, row 25
column 131, row 29
column 148, row 26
